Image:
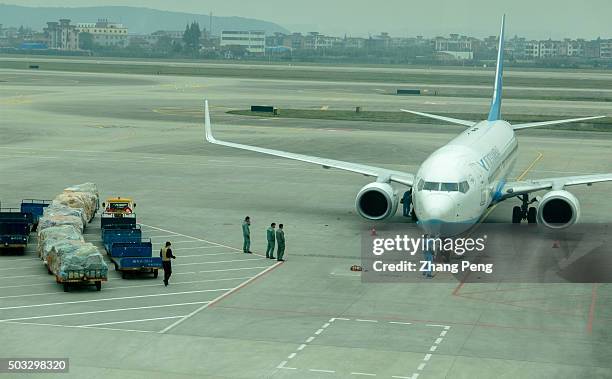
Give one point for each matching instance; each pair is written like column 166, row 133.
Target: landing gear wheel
column 123, row 275
column 98, row 286
column 65, row 287
column 531, row 215
column 517, row 215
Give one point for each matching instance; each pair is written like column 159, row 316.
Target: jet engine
column 377, row 201
column 558, row 210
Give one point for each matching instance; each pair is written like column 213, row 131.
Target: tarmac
column 231, row 315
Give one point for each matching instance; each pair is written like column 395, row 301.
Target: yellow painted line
column 524, row 173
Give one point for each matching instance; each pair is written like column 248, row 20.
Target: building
column 252, row 41
column 605, row 49
column 317, row 41
column 105, row 33
column 61, row 35
column 455, row 43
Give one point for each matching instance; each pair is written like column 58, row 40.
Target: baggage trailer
column 82, row 277
column 36, row 208
column 120, row 232
column 128, row 251
column 134, row 256
column 15, row 227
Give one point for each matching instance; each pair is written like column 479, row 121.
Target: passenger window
column 450, row 187
column 464, row 187
column 431, row 186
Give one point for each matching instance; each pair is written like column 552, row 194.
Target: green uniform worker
column 270, row 235
column 280, row 241
column 246, row 234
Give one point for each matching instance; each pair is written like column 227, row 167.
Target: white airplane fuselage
column 456, row 184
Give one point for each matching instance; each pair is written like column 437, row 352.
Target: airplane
column 456, row 185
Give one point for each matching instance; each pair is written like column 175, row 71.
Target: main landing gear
column 525, row 212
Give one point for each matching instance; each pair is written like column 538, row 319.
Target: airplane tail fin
column 495, row 111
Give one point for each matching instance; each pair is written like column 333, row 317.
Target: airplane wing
column 442, row 118
column 381, row 174
column 512, row 189
column 556, row 122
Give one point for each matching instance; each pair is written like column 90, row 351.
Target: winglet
column 495, row 111
column 207, row 126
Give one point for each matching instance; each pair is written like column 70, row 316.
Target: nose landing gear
column 525, row 212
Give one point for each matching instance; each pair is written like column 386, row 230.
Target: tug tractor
column 118, row 206
column 118, row 210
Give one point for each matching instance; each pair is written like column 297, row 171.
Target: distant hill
column 138, row 20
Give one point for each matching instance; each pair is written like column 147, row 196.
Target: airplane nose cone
column 438, row 208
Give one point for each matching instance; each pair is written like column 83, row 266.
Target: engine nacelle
column 558, row 210
column 377, row 201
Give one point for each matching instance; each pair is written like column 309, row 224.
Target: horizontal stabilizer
column 556, row 122
column 442, row 118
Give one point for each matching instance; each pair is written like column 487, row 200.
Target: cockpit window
column 462, row 187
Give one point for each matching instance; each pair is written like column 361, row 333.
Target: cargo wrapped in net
column 57, row 214
column 48, row 237
column 70, row 259
column 79, row 200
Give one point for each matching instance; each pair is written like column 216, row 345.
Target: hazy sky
column 530, row 18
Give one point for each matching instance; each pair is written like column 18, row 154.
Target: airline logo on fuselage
column 489, row 159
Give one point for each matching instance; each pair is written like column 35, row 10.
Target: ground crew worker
column 280, row 243
column 270, row 235
column 407, row 201
column 166, row 254
column 246, row 234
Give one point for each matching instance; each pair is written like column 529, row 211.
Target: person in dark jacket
column 270, row 236
column 166, row 255
column 280, row 243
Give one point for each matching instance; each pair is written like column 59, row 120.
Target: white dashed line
column 282, row 364
column 415, row 375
